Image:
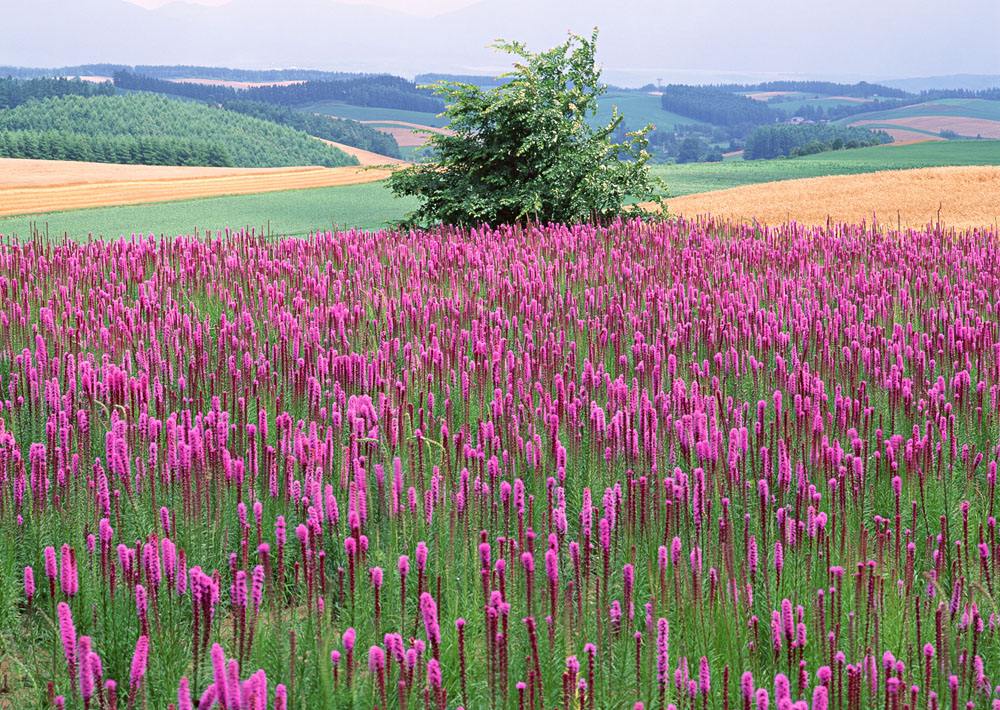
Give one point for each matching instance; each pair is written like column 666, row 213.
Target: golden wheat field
column 36, row 186
column 966, row 197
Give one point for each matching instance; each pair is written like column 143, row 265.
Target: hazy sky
column 415, row 7
column 693, row 41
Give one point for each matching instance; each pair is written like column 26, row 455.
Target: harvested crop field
column 968, row 196
column 365, row 157
column 962, row 125
column 36, row 186
column 407, row 134
column 902, row 136
column 406, row 137
column 407, row 124
column 21, row 172
column 765, row 95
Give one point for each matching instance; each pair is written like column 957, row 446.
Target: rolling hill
column 966, row 118
column 150, row 129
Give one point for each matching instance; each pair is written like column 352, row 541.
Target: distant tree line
column 724, row 105
column 861, row 90
column 690, row 143
column 130, row 150
column 935, row 94
column 382, row 91
column 339, row 130
column 75, row 70
column 14, row 92
column 145, row 127
column 484, row 81
column 183, row 71
column 717, row 106
column 785, row 140
column 178, row 71
column 834, row 113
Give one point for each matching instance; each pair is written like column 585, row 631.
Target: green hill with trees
column 14, row 92
column 148, row 129
column 380, row 90
column 340, row 130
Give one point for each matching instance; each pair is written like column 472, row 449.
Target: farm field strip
column 59, row 197
column 24, row 172
column 967, row 196
column 964, row 108
column 379, row 123
column 407, row 134
column 904, row 136
column 705, row 177
column 962, row 125
column 366, row 158
column 291, row 212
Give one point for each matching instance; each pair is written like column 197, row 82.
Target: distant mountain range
column 641, row 40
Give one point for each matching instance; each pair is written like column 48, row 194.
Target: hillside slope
column 149, row 129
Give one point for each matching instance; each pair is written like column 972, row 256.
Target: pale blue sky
column 416, row 7
column 695, row 41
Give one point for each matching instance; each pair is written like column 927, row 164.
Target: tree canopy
column 528, row 149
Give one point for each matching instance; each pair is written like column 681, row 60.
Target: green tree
column 690, row 150
column 525, row 149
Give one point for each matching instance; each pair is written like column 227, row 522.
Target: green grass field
column 374, row 113
column 639, row 108
column 369, row 206
column 704, row 177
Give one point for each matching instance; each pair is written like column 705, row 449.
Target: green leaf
column 525, row 151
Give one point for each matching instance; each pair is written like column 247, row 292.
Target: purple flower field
column 682, row 465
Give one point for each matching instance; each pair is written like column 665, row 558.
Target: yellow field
column 903, row 136
column 36, row 186
column 967, row 197
column 365, row 157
